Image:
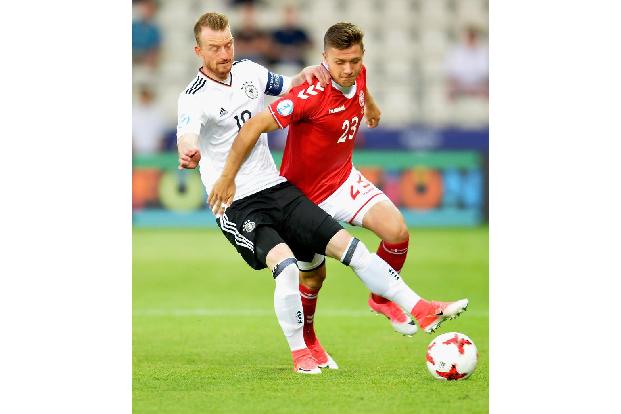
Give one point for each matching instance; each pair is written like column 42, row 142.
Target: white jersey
column 216, row 111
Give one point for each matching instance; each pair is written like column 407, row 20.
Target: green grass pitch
column 206, row 340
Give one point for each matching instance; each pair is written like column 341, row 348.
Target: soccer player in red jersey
column 323, row 124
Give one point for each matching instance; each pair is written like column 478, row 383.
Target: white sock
column 288, row 303
column 378, row 276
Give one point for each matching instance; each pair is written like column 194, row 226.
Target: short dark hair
column 214, row 21
column 343, row 35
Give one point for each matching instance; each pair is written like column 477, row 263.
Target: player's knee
column 313, row 279
column 397, row 231
column 338, row 244
column 356, row 255
column 277, row 254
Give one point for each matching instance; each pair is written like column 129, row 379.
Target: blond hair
column 214, row 21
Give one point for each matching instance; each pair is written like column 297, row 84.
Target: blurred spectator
column 291, row 42
column 148, row 126
column 250, row 41
column 146, row 35
column 467, row 67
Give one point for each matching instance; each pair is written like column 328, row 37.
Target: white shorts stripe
column 239, row 240
column 230, row 227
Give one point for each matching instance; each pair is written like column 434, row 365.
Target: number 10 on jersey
column 346, row 127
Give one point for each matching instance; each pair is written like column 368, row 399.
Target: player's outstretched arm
column 371, row 111
column 308, row 73
column 223, row 190
column 189, row 153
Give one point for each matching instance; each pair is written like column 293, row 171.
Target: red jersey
column 323, row 124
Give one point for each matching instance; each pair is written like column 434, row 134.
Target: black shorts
column 280, row 214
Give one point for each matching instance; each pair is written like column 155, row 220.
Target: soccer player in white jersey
column 269, row 221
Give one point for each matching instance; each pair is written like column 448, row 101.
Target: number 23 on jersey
column 347, row 127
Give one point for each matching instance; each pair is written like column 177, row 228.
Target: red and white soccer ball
column 451, row 356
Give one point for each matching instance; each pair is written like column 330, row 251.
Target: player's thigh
column 308, row 228
column 271, row 248
column 386, row 221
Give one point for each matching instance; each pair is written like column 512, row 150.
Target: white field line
column 350, row 313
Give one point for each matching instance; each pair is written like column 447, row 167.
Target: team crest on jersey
column 249, row 226
column 285, row 107
column 361, row 99
column 251, row 91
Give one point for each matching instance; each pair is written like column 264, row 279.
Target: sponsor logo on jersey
column 251, row 91
column 249, row 226
column 285, row 107
column 361, row 99
column 335, row 110
column 184, row 119
column 223, row 112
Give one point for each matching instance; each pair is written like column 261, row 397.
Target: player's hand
column 189, row 159
column 319, row 72
column 372, row 114
column 221, row 195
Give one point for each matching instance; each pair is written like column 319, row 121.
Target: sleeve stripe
column 193, row 85
column 196, row 87
column 275, row 117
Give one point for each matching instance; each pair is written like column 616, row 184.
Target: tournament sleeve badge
column 184, row 119
column 285, row 107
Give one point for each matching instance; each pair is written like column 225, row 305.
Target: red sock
column 309, row 302
column 394, row 254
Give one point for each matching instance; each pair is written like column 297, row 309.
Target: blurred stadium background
column 427, row 68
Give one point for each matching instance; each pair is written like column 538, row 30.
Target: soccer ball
column 451, row 356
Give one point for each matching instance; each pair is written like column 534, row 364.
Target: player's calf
column 394, row 254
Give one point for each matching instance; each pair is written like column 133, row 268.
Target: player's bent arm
column 187, row 142
column 223, row 190
column 369, row 98
column 246, row 140
column 189, row 152
column 371, row 110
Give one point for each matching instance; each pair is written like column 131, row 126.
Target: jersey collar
column 229, row 81
column 347, row 92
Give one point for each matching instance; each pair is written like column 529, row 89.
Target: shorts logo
column 249, row 226
column 285, row 107
column 361, row 98
column 251, row 90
